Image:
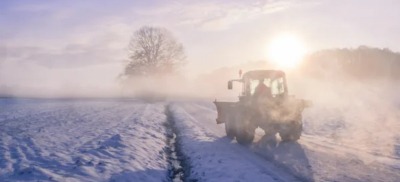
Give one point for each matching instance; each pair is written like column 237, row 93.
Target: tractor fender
column 225, row 110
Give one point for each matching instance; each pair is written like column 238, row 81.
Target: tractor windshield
column 276, row 85
column 254, row 84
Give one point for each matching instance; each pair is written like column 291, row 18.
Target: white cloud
column 211, row 15
column 81, row 46
column 56, row 13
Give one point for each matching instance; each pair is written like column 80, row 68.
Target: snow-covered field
column 82, row 141
column 127, row 140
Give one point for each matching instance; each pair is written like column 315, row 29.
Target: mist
column 33, row 81
column 113, row 90
column 360, row 113
column 86, row 63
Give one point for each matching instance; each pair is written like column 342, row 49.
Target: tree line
column 155, row 52
column 357, row 63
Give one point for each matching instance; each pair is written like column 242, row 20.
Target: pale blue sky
column 57, row 38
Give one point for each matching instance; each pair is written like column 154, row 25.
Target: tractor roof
column 259, row 74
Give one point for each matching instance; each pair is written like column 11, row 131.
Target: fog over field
column 65, row 67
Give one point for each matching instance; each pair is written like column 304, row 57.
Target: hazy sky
column 54, row 42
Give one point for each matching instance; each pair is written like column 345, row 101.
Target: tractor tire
column 244, row 134
column 244, row 137
column 230, row 129
column 294, row 133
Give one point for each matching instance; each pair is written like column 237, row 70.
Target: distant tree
column 153, row 51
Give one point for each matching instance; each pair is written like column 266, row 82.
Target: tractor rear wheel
column 244, row 137
column 230, row 129
column 244, row 134
column 294, row 133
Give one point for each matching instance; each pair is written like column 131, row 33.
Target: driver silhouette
column 262, row 90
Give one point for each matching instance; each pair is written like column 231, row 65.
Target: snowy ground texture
column 82, row 141
column 126, row 140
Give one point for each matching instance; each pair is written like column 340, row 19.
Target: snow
column 312, row 158
column 215, row 158
column 82, row 141
column 126, row 140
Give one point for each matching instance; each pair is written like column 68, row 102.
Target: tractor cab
column 275, row 80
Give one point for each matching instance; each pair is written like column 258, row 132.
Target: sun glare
column 286, row 50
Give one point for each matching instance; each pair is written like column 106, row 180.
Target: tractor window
column 277, row 86
column 254, row 84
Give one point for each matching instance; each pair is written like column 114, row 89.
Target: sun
column 286, row 50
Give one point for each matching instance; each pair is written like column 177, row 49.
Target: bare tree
column 154, row 51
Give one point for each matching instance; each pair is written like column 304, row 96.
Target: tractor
column 277, row 112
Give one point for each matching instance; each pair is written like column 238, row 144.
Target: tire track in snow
column 194, row 111
column 179, row 166
column 327, row 161
column 192, row 130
